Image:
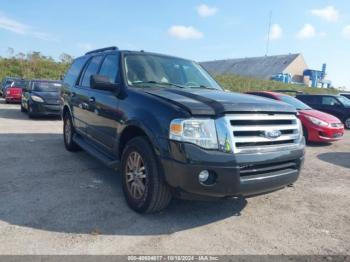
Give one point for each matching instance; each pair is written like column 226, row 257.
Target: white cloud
column 184, row 32
column 346, row 32
column 329, row 13
column 307, row 31
column 276, row 32
column 205, row 10
column 85, row 46
column 17, row 27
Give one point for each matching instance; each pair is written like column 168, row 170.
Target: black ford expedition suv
column 171, row 130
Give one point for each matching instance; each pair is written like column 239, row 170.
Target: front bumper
column 322, row 134
column 45, row 109
column 236, row 174
column 13, row 99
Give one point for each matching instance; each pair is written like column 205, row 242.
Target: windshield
column 295, row 102
column 345, row 101
column 144, row 70
column 46, row 86
column 19, row 83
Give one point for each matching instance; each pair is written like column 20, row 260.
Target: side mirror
column 103, row 83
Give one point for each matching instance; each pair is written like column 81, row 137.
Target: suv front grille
column 263, row 132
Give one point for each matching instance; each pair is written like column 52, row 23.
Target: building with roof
column 289, row 68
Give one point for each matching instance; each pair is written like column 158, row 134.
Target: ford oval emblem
column 272, row 134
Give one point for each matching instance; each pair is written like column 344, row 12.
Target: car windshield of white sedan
column 345, row 101
column 295, row 102
column 148, row 70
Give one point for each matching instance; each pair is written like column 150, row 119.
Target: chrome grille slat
column 261, row 117
column 255, row 139
column 264, row 127
column 247, row 132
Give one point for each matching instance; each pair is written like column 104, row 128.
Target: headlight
column 37, row 99
column 316, row 121
column 201, row 132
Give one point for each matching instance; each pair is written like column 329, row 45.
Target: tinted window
column 110, row 68
column 345, row 101
column 19, row 83
column 311, row 100
column 46, row 86
column 329, row 101
column 346, row 95
column 91, row 70
column 294, row 102
column 74, row 71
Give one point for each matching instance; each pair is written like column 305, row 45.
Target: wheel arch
column 135, row 130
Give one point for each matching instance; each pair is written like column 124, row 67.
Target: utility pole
column 268, row 34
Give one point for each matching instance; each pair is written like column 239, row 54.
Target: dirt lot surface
column 56, row 202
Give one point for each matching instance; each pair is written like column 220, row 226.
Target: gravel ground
column 56, row 202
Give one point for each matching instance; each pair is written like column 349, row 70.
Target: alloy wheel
column 136, row 175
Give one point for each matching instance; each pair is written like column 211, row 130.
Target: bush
column 34, row 66
column 245, row 84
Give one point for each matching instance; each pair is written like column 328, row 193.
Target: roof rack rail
column 111, row 48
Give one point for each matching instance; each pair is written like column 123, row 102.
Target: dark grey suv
column 171, row 130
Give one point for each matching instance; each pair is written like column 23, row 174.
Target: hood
column 49, row 97
column 215, row 102
column 320, row 115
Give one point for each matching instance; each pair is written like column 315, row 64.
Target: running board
column 91, row 150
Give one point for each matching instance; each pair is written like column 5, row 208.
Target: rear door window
column 311, row 100
column 91, row 69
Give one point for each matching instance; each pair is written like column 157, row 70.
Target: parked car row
column 37, row 97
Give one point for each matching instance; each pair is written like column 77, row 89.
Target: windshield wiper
column 157, row 83
column 201, row 86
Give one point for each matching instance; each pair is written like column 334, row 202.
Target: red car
column 318, row 126
column 13, row 93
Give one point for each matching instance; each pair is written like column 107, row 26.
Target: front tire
column 347, row 123
column 30, row 112
column 143, row 184
column 23, row 109
column 68, row 134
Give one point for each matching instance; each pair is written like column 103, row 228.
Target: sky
column 193, row 29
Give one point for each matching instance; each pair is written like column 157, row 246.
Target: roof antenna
column 268, row 34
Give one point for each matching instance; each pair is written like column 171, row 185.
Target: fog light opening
column 207, row 178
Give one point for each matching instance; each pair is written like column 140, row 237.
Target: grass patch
column 245, row 84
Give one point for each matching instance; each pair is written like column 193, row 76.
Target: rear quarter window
column 74, row 71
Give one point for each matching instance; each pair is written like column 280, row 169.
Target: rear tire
column 144, row 186
column 68, row 134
